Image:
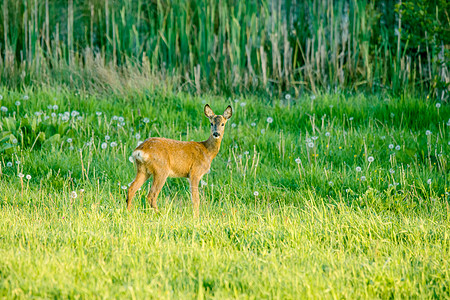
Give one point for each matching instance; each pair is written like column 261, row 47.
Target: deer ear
column 228, row 112
column 208, row 111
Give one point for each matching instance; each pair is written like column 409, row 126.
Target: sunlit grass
column 294, row 205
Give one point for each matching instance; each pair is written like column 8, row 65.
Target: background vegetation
column 228, row 46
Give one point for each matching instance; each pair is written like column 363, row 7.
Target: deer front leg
column 194, row 181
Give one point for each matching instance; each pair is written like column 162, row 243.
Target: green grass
column 318, row 229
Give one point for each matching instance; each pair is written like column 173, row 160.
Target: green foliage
column 423, row 24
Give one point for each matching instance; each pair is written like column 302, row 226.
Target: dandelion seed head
column 363, row 178
column 104, row 145
column 107, row 137
column 438, row 105
column 330, row 183
column 298, row 160
column 17, row 103
column 69, row 140
column 256, row 193
column 233, row 125
column 98, row 113
column 113, row 144
column 253, row 124
column 25, row 97
column 55, row 107
column 370, row 159
column 146, row 120
column 358, row 169
column 391, row 146
column 20, row 175
column 4, row 109
column 397, row 147
column 428, row 132
column 28, row 176
column 287, row 97
column 327, row 133
column 263, row 131
column 429, row 181
column 269, row 120
column 310, row 144
column 243, row 104
column 121, row 119
column 9, row 164
column 392, row 171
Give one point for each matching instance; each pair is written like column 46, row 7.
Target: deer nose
column 216, row 134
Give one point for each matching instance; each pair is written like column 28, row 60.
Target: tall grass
column 224, row 46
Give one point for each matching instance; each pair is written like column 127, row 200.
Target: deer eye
column 223, row 124
column 211, row 124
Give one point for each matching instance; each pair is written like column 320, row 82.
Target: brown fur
column 164, row 158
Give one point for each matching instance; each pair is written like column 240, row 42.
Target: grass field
column 327, row 196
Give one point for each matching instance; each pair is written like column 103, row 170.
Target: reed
column 223, row 46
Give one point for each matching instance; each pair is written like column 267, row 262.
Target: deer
column 163, row 158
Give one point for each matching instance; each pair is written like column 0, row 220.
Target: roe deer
column 164, row 158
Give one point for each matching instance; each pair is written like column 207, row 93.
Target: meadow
column 341, row 195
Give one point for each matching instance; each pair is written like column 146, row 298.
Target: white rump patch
column 139, row 155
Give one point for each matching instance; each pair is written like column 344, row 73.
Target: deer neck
column 212, row 145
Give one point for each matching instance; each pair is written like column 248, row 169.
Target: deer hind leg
column 141, row 177
column 158, row 183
